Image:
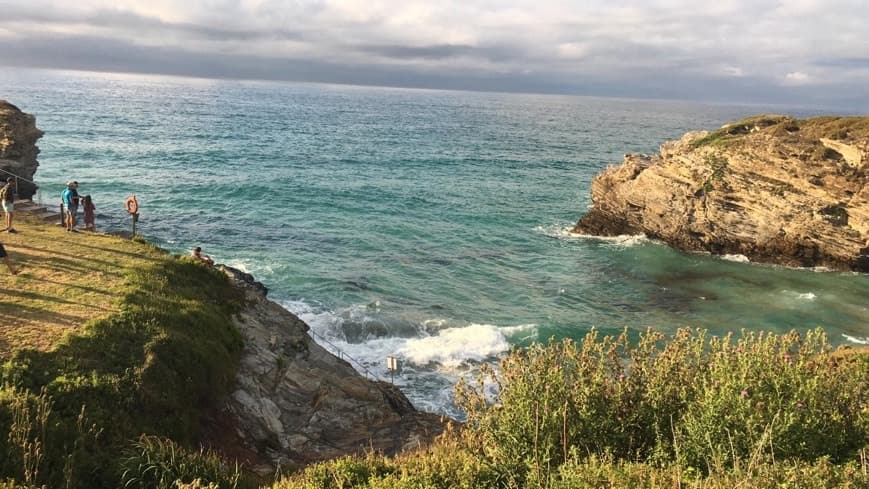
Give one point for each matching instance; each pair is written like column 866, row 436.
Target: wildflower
column 621, row 376
column 799, row 405
column 744, row 393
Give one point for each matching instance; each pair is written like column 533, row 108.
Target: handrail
column 17, row 177
column 343, row 355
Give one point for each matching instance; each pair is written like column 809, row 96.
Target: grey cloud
column 138, row 24
column 103, row 54
column 443, row 51
column 646, row 51
column 854, row 63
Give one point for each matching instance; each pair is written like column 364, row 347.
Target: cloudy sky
column 808, row 52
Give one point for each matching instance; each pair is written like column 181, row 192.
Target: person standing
column 70, row 200
column 88, row 208
column 7, row 200
column 5, row 258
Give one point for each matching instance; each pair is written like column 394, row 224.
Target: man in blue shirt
column 70, row 201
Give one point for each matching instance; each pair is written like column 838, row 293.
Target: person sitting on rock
column 197, row 253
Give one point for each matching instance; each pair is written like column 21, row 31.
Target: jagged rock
column 246, row 278
column 772, row 188
column 18, row 150
column 297, row 403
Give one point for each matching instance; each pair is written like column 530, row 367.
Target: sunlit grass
column 65, row 280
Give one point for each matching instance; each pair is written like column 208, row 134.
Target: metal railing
column 17, row 178
column 343, row 356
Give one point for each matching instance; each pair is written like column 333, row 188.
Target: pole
column 134, row 218
column 62, row 217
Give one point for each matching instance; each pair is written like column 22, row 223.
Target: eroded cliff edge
column 296, row 403
column 772, row 188
column 18, row 150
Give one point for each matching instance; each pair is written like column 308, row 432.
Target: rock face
column 18, row 150
column 772, row 188
column 296, row 403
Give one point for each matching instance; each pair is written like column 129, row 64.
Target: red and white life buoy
column 132, row 205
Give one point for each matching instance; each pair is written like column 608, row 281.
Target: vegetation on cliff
column 763, row 410
column 159, row 348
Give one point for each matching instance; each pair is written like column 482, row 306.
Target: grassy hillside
column 104, row 339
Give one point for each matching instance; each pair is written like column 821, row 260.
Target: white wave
column 430, row 362
column 560, row 231
column 853, row 339
column 805, row 296
column 736, row 258
column 239, row 265
column 437, row 342
column 453, row 347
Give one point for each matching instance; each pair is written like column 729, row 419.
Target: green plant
column 695, row 399
column 158, row 463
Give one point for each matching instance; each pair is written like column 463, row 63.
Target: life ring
column 132, row 205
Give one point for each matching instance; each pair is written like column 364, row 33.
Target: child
column 88, row 208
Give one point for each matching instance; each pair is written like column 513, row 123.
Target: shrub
column 782, row 395
column 700, row 400
column 158, row 463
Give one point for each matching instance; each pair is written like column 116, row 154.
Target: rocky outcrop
column 296, row 403
column 18, row 150
column 772, row 188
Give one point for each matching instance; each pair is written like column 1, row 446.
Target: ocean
column 428, row 225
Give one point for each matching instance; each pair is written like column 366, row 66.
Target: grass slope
column 137, row 340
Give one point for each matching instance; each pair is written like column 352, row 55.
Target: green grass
column 159, row 349
column 845, row 129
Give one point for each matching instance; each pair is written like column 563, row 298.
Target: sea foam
column 858, row 340
column 560, row 231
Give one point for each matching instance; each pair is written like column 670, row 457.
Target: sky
column 796, row 52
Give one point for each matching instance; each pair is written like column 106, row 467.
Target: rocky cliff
column 297, row 403
column 18, row 150
column 772, row 188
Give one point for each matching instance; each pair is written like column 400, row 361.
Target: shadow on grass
column 77, row 266
column 68, row 255
column 30, row 313
column 50, row 298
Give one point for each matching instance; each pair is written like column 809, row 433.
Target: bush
column 695, row 399
column 159, row 463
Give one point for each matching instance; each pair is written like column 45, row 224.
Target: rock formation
column 296, row 403
column 18, row 150
column 772, row 188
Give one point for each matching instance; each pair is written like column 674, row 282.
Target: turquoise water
column 424, row 224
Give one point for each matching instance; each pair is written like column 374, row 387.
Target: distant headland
column 771, row 188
